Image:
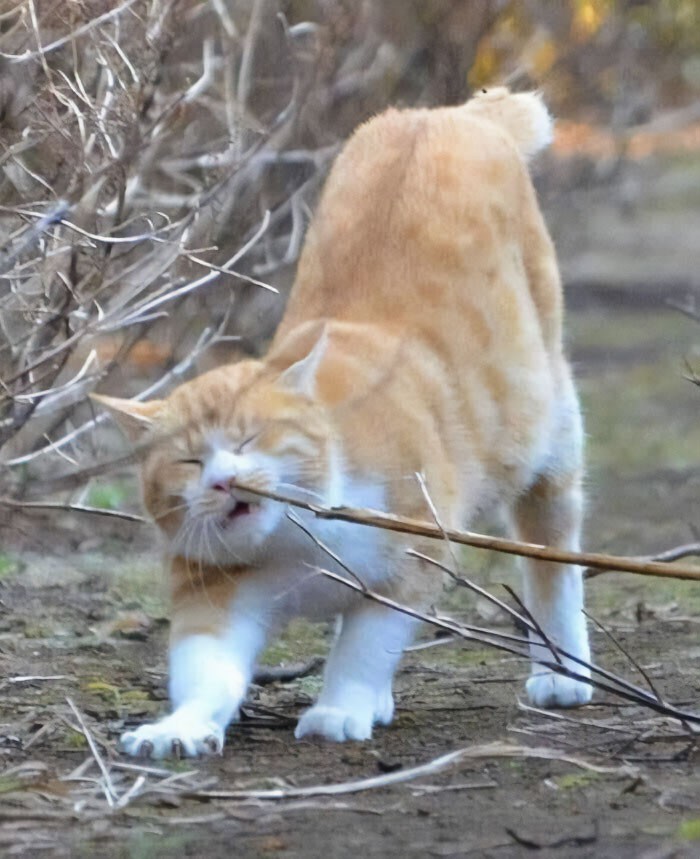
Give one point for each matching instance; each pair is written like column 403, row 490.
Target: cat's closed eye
column 198, row 462
column 247, row 441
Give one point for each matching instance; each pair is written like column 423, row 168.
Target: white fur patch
column 208, row 680
column 357, row 680
column 555, row 597
column 549, row 690
column 523, row 115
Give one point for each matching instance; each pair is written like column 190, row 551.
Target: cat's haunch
column 422, row 335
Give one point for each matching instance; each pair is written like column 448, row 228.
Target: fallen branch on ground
column 286, row 673
column 487, row 750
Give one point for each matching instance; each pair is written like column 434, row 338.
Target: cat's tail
column 523, row 115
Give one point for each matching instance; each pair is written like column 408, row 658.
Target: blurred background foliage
column 160, row 160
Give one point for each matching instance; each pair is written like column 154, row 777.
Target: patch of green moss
column 299, row 642
column 9, row 566
column 575, row 780
column 72, row 740
column 689, row 830
column 37, row 630
column 109, row 495
column 135, row 696
column 107, row 692
column 9, row 784
column 310, row 685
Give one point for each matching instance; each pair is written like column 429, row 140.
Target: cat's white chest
column 361, row 548
column 300, row 555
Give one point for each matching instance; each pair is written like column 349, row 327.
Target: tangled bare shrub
column 146, row 160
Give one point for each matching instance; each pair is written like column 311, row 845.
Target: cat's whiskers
column 207, row 525
column 185, row 535
column 174, row 509
column 218, row 533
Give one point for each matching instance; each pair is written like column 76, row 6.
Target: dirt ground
column 82, row 608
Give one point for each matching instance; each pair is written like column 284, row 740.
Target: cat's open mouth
column 240, row 509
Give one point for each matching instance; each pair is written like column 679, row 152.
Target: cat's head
column 239, row 425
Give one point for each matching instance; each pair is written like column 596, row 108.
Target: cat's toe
column 174, row 737
column 334, row 723
column 549, row 690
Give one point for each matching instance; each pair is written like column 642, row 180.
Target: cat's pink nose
column 224, row 485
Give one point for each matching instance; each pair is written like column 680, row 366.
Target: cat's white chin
column 229, row 538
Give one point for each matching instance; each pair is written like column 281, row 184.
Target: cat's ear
column 133, row 417
column 301, row 376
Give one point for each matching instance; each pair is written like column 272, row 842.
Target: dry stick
column 71, row 508
column 406, row 525
column 623, row 650
column 45, row 49
column 488, row 750
column 674, row 554
column 434, row 513
column 110, row 791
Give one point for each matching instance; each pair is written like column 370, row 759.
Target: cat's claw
column 549, row 690
column 175, row 736
column 334, row 723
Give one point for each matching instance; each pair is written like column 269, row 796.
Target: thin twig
column 72, row 508
column 110, row 791
column 45, row 49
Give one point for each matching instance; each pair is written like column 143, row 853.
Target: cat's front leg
column 358, row 676
column 214, row 643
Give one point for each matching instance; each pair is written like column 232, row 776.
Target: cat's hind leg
column 550, row 513
column 358, row 675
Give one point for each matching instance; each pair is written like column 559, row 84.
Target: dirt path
column 621, row 782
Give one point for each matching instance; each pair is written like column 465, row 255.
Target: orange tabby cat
column 423, row 334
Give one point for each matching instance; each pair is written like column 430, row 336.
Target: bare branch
column 405, row 525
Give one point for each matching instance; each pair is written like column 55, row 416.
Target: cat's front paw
column 334, row 723
column 550, row 690
column 178, row 735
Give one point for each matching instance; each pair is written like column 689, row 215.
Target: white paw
column 549, row 690
column 178, row 735
column 334, row 723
